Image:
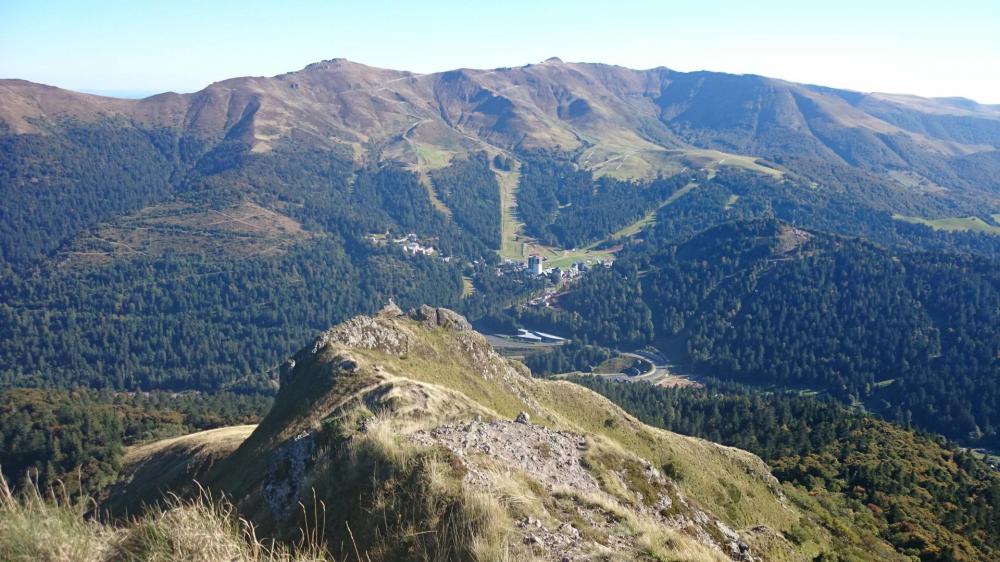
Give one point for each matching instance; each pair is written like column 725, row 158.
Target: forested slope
column 910, row 334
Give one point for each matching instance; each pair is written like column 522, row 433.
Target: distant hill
column 921, row 158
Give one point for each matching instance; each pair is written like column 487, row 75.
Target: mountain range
column 161, row 258
column 610, row 119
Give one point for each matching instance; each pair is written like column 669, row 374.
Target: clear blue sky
column 933, row 48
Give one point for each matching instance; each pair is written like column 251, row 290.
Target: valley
column 729, row 239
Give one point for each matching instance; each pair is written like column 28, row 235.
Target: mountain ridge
column 611, row 111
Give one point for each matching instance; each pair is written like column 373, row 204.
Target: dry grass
column 51, row 527
column 419, row 500
column 171, row 464
column 651, row 538
column 35, row 527
column 707, row 470
column 223, row 440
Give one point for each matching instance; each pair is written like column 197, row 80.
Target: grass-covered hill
column 88, row 159
column 615, row 120
column 408, row 437
column 925, row 496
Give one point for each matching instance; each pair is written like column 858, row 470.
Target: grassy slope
column 444, row 378
column 959, row 224
column 510, row 227
column 171, row 464
column 517, row 246
column 36, row 526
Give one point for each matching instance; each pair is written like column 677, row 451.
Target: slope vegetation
column 410, row 438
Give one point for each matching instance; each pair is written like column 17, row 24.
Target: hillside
column 910, row 335
column 926, row 497
column 128, row 178
column 615, row 121
column 421, row 442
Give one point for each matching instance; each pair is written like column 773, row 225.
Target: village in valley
column 558, row 278
column 645, row 365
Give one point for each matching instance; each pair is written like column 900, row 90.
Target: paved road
column 660, row 373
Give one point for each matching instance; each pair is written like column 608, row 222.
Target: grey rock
column 441, row 317
column 286, row 474
column 320, row 342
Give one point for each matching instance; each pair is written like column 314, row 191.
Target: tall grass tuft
column 50, row 527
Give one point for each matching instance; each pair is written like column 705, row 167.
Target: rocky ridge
column 408, row 426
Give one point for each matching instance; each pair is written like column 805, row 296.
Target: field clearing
column 712, row 160
column 511, row 229
column 614, row 365
column 429, row 158
column 915, row 181
column 554, row 257
column 432, row 157
column 243, row 229
column 646, row 164
column 953, row 224
column 515, row 245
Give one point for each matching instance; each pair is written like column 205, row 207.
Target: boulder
column 441, row 317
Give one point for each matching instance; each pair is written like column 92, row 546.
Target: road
column 655, row 363
column 660, row 373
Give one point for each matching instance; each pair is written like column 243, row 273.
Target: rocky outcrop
column 366, row 332
column 554, row 458
column 286, row 472
column 442, row 317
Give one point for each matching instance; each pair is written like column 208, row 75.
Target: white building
column 535, row 265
